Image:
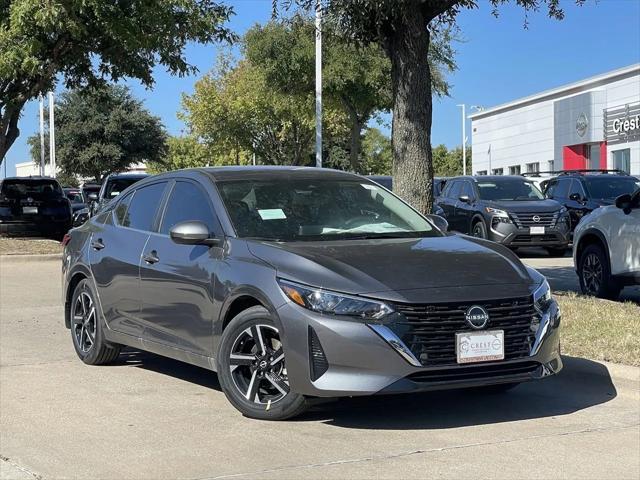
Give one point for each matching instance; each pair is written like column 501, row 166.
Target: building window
column 621, row 160
column 482, row 172
column 551, row 166
column 498, row 171
column 514, row 170
column 533, row 167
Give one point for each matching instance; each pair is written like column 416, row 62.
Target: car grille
column 534, row 238
column 429, row 331
column 526, row 219
column 474, row 372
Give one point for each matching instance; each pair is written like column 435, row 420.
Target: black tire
column 479, row 229
column 594, row 273
column 237, row 380
column 86, row 328
column 556, row 251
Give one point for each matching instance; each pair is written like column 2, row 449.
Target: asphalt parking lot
column 149, row 417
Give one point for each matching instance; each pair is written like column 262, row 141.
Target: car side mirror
column 576, row 197
column 464, row 198
column 192, row 233
column 440, row 222
column 623, row 202
column 93, row 197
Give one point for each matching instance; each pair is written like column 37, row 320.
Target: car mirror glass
column 192, row 233
column 464, row 198
column 440, row 222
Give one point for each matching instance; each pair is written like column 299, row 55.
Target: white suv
column 606, row 248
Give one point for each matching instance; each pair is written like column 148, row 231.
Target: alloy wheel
column 592, row 273
column 84, row 322
column 257, row 365
column 478, row 230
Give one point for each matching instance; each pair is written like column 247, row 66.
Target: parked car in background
column 33, row 206
column 582, row 192
column 606, row 247
column 79, row 207
column 506, row 209
column 111, row 187
column 295, row 283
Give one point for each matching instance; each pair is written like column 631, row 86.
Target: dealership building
column 593, row 123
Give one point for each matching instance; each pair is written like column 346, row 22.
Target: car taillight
column 66, row 239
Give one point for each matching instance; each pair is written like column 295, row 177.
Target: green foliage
column 84, row 42
column 377, row 155
column 103, row 130
column 448, row 163
column 67, row 180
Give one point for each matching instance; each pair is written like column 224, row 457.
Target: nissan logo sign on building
column 592, row 123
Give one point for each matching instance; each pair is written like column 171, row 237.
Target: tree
column 236, row 110
column 356, row 78
column 103, row 130
column 84, row 42
column 448, row 163
column 377, row 157
column 404, row 30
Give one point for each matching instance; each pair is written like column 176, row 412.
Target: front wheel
column 594, row 273
column 252, row 368
column 479, row 230
column 86, row 328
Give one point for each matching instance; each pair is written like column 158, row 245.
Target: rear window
column 30, row 188
column 115, row 186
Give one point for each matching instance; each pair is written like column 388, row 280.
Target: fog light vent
column 317, row 360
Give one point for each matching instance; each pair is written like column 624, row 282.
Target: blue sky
column 498, row 61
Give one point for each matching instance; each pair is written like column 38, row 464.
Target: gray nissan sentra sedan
column 299, row 283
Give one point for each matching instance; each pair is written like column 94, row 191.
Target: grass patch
column 599, row 329
column 28, row 246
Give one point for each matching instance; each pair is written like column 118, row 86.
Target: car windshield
column 509, row 190
column 16, row 188
column 117, row 185
column 319, row 209
column 610, row 187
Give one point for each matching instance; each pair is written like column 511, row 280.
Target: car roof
column 219, row 174
column 26, row 179
column 127, row 175
column 477, row 178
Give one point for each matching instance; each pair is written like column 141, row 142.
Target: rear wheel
column 252, row 368
column 86, row 328
column 479, row 229
column 594, row 273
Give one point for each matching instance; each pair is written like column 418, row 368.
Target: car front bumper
column 510, row 235
column 362, row 362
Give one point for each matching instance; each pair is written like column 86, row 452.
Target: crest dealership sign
column 582, row 124
column 622, row 124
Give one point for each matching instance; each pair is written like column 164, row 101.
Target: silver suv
column 606, row 248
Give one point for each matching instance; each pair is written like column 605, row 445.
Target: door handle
column 151, row 257
column 97, row 244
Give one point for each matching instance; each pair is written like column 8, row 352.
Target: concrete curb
column 623, row 372
column 19, row 258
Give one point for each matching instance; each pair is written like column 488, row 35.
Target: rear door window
column 121, row 210
column 143, row 207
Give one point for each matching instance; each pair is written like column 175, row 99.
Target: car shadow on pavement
column 168, row 366
column 581, row 384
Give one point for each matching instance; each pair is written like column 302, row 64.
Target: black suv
column 507, row 209
column 33, row 205
column 111, row 188
column 581, row 192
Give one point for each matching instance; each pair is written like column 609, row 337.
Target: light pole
column 464, row 140
column 52, row 137
column 318, row 84
column 41, row 134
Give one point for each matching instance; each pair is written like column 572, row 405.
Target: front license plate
column 536, row 230
column 30, row 210
column 482, row 346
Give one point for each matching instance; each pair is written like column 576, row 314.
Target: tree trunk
column 9, row 130
column 407, row 46
column 354, row 154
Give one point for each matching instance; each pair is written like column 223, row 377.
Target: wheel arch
column 477, row 217
column 75, row 277
column 592, row 236
column 242, row 299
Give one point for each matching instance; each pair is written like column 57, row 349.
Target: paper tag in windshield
column 368, row 186
column 272, row 214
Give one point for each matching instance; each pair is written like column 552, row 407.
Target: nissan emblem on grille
column 476, row 316
column 536, row 218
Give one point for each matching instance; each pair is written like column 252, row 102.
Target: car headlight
column 497, row 212
column 332, row 303
column 542, row 296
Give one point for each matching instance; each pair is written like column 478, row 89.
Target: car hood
column 453, row 263
column 540, row 206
